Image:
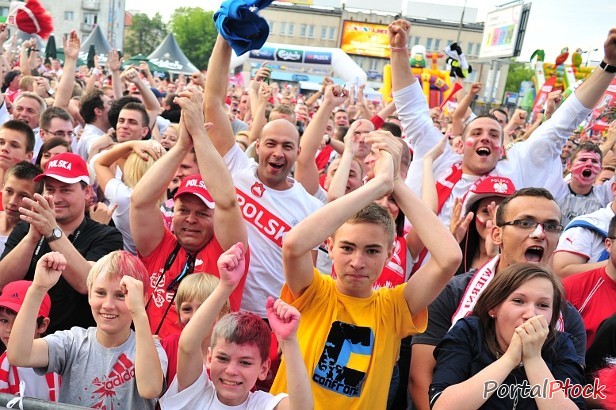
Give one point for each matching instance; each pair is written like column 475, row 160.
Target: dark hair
column 532, row 192
column 27, row 171
column 89, row 102
column 340, row 132
column 611, row 231
column 377, row 215
column 393, row 128
column 24, row 129
column 8, row 79
column 54, row 112
column 490, row 116
column 133, row 106
column 116, row 107
column 49, row 145
column 587, row 146
column 169, row 100
column 501, row 111
column 243, row 328
column 504, row 283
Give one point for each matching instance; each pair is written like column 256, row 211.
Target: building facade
column 83, row 16
column 322, row 26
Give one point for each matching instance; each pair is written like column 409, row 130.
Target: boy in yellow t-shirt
column 349, row 334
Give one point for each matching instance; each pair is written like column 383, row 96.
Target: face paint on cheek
column 585, row 172
column 470, row 141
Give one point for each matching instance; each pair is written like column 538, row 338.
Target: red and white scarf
column 445, row 185
column 477, row 285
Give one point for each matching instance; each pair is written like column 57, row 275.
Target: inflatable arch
column 303, row 60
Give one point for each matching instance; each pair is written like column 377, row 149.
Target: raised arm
column 338, row 184
column 231, row 266
column 104, row 164
column 306, row 171
column 64, row 90
column 221, row 133
column 594, row 86
column 284, row 320
column 321, row 224
column 258, row 111
column 461, row 112
column 113, row 59
column 387, row 111
column 229, row 225
column 23, row 350
column 444, row 249
column 146, row 221
column 149, row 99
column 149, row 374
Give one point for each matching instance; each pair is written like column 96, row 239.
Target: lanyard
column 189, row 267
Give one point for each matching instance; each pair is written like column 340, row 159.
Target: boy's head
column 107, row 297
column 238, row 356
column 361, row 248
column 116, row 264
column 11, row 300
column 192, row 292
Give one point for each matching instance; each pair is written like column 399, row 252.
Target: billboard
column 365, row 39
column 298, row 2
column 500, row 33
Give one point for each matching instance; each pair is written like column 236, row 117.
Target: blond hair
column 198, row 286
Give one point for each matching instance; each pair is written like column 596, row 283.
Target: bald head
column 280, row 126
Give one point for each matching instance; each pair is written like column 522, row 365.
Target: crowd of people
column 191, row 243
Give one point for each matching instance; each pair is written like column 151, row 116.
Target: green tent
column 139, row 58
column 60, row 56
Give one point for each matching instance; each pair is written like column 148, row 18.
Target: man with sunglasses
column 526, row 229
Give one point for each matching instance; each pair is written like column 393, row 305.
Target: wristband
column 398, row 49
column 607, row 68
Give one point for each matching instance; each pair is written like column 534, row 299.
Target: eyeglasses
column 61, row 134
column 528, row 225
column 189, row 267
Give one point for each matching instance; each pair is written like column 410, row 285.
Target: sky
column 553, row 24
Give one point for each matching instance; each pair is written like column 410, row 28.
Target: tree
column 195, row 33
column 518, row 72
column 144, row 34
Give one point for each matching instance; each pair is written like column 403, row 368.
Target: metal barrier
column 35, row 404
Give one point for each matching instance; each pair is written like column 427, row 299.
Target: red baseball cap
column 487, row 187
column 13, row 295
column 66, row 167
column 194, row 185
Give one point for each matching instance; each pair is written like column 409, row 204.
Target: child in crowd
column 238, row 354
column 350, row 334
column 107, row 366
column 40, row 387
column 192, row 292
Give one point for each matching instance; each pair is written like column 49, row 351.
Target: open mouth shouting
column 483, row 151
column 534, row 254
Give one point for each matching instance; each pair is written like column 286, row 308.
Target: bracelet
column 398, row 49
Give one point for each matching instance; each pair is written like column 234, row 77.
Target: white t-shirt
column 117, row 192
column 269, row 214
column 531, row 163
column 202, row 395
column 88, row 137
column 586, row 242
